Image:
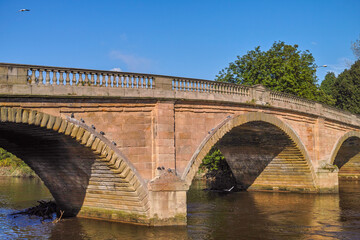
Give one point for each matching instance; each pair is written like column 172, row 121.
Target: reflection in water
column 242, row 215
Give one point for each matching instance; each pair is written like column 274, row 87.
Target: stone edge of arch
column 227, row 125
column 85, row 136
column 340, row 142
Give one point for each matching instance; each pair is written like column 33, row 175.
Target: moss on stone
column 113, row 215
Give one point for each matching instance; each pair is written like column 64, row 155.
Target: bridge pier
column 327, row 179
column 167, row 194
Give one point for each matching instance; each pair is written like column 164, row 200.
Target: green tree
column 327, row 85
column 346, row 89
column 282, row 68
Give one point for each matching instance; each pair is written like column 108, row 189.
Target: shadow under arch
column 86, row 174
column 346, row 155
column 243, row 125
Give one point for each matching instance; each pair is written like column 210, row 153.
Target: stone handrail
column 34, row 80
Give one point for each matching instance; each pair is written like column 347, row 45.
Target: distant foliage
column 219, row 174
column 345, row 88
column 213, row 161
column 282, row 68
column 16, row 166
column 327, row 85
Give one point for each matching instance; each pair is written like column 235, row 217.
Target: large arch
column 346, row 155
column 251, row 123
column 85, row 172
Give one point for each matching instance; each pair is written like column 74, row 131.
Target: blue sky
column 181, row 38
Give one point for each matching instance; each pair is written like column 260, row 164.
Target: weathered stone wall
column 84, row 173
column 157, row 131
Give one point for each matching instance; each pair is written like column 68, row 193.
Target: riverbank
column 10, row 171
column 12, row 166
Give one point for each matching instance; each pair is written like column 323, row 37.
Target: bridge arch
column 86, row 174
column 258, row 120
column 346, row 155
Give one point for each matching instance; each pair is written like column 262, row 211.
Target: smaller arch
column 346, row 155
column 230, row 123
column 339, row 143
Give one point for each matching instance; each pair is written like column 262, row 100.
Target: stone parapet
column 35, row 81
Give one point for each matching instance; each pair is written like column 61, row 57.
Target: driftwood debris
column 45, row 210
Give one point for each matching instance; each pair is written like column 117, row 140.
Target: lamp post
column 321, row 66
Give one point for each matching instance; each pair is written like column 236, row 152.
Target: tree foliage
column 282, row 68
column 219, row 175
column 327, row 85
column 345, row 89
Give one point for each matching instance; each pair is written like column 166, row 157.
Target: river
column 242, row 215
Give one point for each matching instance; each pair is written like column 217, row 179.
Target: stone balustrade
column 196, row 85
column 38, row 75
column 86, row 82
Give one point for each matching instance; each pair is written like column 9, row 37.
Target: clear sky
column 181, row 38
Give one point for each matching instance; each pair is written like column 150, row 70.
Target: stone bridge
column 126, row 146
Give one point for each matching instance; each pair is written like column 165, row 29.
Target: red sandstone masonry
column 167, row 121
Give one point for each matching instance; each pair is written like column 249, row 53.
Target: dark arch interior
column 60, row 161
column 348, row 159
column 262, row 157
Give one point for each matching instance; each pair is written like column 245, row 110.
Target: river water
column 242, row 215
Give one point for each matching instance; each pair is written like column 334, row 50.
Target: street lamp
column 321, row 66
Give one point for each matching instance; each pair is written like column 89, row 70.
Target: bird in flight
column 24, row 10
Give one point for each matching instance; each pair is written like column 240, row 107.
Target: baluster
column 124, row 81
column 86, row 80
column 41, row 77
column 138, row 78
column 33, row 76
column 130, row 81
column 136, row 81
column 54, row 78
column 47, row 77
column 118, row 80
column 80, row 80
column 142, row 81
column 73, row 81
column 61, row 77
column 67, row 77
column 92, row 80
